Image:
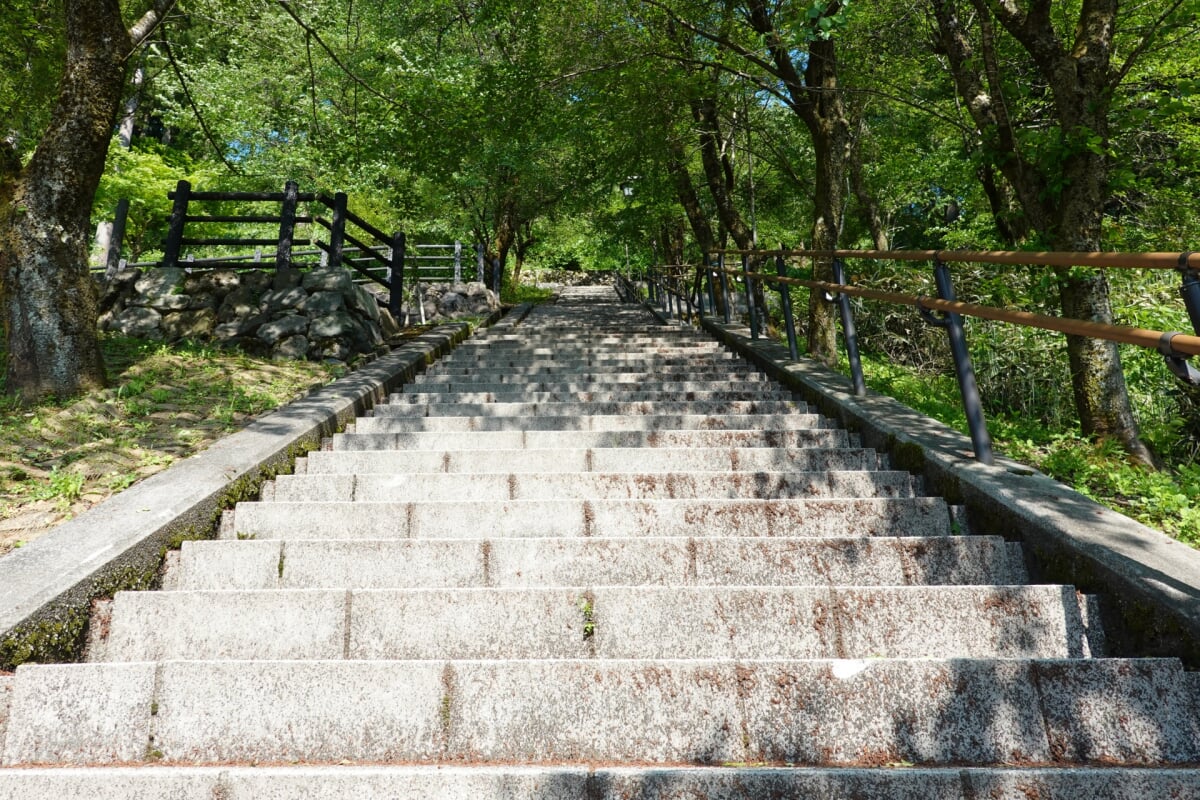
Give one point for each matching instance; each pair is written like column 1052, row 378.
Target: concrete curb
column 47, row 587
column 1150, row 584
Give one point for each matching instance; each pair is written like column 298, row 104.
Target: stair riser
column 507, row 380
column 592, row 486
column 562, row 783
column 591, row 460
column 667, row 372
column 518, row 439
column 602, row 622
column 467, row 563
column 847, row 712
column 630, row 395
column 643, row 408
column 666, row 424
column 833, row 518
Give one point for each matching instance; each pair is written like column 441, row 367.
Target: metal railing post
column 751, row 307
column 1190, row 291
column 396, row 274
column 724, row 287
column 712, row 289
column 848, row 331
column 980, row 439
column 287, row 229
column 785, row 299
column 174, row 242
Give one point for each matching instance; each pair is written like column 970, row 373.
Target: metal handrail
column 946, row 311
column 1183, row 260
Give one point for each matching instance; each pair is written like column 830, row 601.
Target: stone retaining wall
column 320, row 314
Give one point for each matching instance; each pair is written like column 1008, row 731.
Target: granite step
column 533, row 418
column 600, row 459
column 599, row 408
column 828, row 518
column 522, row 395
column 593, row 486
column 620, row 622
column 927, row 712
column 739, row 781
column 593, row 439
column 644, row 561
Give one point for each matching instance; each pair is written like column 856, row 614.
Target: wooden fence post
column 287, row 228
column 337, row 233
column 396, row 275
column 112, row 261
column 183, row 191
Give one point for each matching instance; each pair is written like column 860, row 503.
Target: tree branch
column 149, row 22
column 208, row 134
column 371, row 90
column 1143, row 45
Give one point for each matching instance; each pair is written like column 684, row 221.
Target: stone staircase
column 589, row 556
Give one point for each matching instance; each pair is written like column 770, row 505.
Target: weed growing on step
column 589, row 617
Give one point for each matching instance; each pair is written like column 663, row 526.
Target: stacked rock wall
column 321, row 314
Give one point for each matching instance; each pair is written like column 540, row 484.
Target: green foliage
column 1167, row 500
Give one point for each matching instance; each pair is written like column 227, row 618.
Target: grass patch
column 524, row 293
column 1167, row 500
column 60, row 457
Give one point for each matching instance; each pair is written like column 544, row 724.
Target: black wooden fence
column 353, row 242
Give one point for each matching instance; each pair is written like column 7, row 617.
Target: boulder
column 197, row 324
column 363, row 301
column 117, row 289
column 258, row 281
column 282, row 328
column 332, row 350
column 166, row 302
column 204, row 300
column 387, row 324
column 240, row 303
column 140, row 322
column 286, row 279
column 327, row 279
column 293, row 348
column 280, row 299
column 237, row 328
column 214, row 282
column 338, row 325
column 319, row 304
column 157, row 282
column 452, row 303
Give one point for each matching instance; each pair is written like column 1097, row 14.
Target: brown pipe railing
column 1142, row 337
column 1184, row 260
column 1175, row 347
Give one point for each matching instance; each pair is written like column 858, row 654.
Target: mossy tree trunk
column 45, row 207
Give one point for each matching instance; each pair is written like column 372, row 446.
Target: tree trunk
column 817, row 100
column 49, row 298
column 525, row 242
column 685, row 191
column 868, row 209
column 717, row 171
column 1065, row 206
